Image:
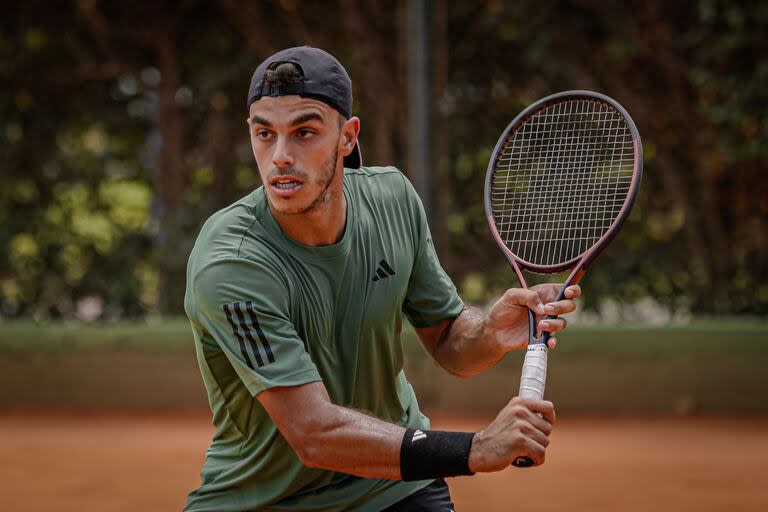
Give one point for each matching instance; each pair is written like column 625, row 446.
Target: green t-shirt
column 268, row 311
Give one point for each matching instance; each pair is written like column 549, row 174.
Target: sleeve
column 244, row 307
column 431, row 295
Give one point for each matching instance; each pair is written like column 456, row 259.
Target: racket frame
column 582, row 261
column 535, row 366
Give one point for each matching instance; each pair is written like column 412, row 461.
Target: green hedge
column 699, row 338
column 709, row 365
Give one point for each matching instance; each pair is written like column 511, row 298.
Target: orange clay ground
column 148, row 462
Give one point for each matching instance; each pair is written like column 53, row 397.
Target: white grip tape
column 534, row 376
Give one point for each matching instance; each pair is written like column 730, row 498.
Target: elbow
column 305, row 452
column 304, row 447
column 307, row 438
column 309, row 455
column 308, row 449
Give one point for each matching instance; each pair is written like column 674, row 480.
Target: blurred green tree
column 122, row 128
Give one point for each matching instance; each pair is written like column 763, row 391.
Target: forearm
column 348, row 441
column 328, row 436
column 465, row 349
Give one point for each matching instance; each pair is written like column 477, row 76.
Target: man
column 296, row 293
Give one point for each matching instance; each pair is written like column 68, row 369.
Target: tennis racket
column 560, row 183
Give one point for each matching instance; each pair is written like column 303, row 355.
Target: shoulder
column 218, row 260
column 379, row 182
column 231, row 280
column 222, row 233
column 225, row 233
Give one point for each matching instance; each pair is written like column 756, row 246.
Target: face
column 297, row 144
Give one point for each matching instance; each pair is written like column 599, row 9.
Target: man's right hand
column 521, row 429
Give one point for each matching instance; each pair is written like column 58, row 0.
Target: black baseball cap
column 324, row 79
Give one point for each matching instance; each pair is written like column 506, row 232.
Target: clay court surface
column 148, row 462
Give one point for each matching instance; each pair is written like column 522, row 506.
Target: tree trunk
column 170, row 180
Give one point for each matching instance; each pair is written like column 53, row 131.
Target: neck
column 321, row 226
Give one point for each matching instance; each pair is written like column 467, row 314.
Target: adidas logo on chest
column 383, row 271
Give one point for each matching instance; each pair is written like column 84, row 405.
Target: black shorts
column 433, row 498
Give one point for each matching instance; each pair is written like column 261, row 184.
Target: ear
column 349, row 132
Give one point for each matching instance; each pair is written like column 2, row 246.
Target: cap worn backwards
column 323, row 79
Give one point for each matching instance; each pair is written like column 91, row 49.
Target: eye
column 263, row 134
column 305, row 133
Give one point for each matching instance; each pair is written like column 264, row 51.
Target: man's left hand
column 506, row 324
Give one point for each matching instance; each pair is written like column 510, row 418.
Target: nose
column 282, row 156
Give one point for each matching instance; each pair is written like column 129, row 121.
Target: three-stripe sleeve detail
column 244, row 330
column 259, row 332
column 237, row 335
column 248, row 334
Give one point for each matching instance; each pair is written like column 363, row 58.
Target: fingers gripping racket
column 560, row 183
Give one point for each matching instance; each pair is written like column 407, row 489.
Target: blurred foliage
column 122, row 129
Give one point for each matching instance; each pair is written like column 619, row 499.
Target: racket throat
column 532, row 328
column 574, row 278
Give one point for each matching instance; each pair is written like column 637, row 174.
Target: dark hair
column 284, row 73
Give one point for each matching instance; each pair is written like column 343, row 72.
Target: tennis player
column 296, row 294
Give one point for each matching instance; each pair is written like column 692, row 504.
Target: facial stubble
column 324, row 197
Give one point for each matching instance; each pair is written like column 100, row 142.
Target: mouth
column 285, row 186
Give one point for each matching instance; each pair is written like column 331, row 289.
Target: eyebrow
column 260, row 120
column 312, row 116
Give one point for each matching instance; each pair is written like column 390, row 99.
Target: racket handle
column 533, row 380
column 523, row 462
column 534, row 376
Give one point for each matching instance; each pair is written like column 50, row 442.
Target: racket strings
column 561, row 180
